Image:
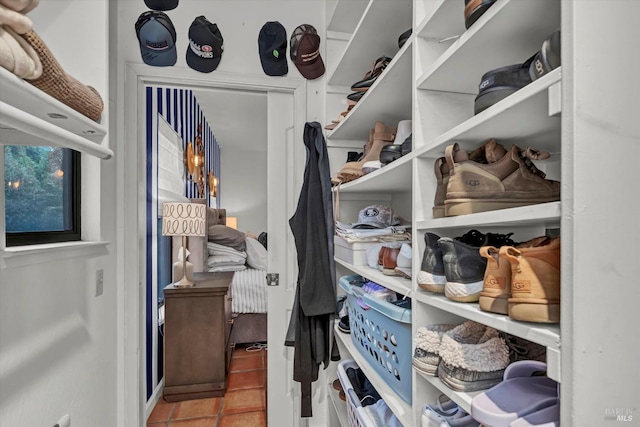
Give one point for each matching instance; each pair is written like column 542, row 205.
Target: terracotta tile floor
column 244, row 403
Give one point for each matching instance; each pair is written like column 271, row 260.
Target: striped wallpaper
column 182, row 112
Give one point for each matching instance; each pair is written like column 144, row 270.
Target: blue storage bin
column 381, row 331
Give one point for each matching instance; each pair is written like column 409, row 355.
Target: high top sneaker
column 382, row 135
column 431, row 276
column 496, row 287
column 535, row 282
column 489, row 152
column 509, row 182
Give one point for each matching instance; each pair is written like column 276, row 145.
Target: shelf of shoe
column 544, row 214
column 26, row 97
column 463, row 399
column 396, row 177
column 395, row 283
column 399, row 407
column 444, row 20
column 544, row 334
column 345, row 14
column 339, row 405
column 388, row 100
column 527, row 118
column 375, row 35
column 508, row 33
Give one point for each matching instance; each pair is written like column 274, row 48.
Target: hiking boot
column 496, row 288
column 379, row 137
column 509, row 182
column 464, row 269
column 426, row 357
column 535, row 282
column 431, row 277
column 472, row 357
column 489, row 152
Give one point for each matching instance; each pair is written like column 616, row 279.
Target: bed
column 222, row 250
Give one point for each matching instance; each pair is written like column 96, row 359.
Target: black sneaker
column 431, row 277
column 464, row 269
column 343, row 325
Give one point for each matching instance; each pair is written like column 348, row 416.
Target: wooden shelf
column 388, row 100
column 375, row 35
column 399, row 407
column 508, row 33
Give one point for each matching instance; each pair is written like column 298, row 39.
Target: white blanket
column 249, row 291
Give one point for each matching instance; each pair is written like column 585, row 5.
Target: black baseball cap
column 161, row 4
column 272, row 47
column 157, row 37
column 305, row 51
column 205, row 45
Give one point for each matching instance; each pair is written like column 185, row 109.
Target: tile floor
column 244, row 403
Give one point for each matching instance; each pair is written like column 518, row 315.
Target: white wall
column 244, row 191
column 57, row 339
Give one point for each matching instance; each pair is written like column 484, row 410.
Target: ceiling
column 238, row 117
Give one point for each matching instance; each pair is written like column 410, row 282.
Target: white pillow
column 256, row 254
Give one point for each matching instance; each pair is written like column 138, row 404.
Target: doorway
column 285, row 101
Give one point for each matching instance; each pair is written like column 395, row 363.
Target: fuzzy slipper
column 17, row 56
column 22, row 6
column 14, row 20
column 60, row 85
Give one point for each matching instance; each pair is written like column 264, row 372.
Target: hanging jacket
column 310, row 327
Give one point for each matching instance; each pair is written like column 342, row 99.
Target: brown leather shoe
column 511, row 181
column 389, row 257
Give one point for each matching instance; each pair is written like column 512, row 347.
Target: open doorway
column 283, row 99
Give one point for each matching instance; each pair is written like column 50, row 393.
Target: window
column 42, row 195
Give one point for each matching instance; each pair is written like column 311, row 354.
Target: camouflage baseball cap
column 376, row 216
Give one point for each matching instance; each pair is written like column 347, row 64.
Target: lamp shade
column 184, row 219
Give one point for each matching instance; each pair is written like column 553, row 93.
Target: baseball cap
column 272, row 47
column 157, row 37
column 305, row 51
column 161, row 4
column 205, row 45
column 376, row 216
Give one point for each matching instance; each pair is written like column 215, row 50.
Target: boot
column 380, row 137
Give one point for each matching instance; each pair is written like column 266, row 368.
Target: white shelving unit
column 339, row 406
column 447, row 64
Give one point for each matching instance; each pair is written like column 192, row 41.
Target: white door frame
column 131, row 214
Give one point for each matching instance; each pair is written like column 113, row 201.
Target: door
column 285, row 160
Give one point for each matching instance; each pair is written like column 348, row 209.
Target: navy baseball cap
column 157, row 38
column 161, row 4
column 205, row 45
column 272, row 47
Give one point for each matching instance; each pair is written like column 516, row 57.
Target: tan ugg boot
column 535, row 282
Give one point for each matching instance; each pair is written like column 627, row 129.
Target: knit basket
column 55, row 82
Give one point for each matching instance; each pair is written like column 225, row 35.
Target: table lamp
column 184, row 219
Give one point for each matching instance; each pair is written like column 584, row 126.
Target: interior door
column 285, row 160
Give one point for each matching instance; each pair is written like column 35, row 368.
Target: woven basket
column 60, row 85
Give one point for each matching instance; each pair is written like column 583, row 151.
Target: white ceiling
column 238, row 117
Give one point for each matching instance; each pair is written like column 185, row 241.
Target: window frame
column 72, row 189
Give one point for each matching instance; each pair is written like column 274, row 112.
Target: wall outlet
column 99, row 283
column 65, row 421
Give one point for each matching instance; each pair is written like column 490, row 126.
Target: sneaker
column 403, row 261
column 473, row 357
column 474, row 9
column 464, row 269
column 343, row 325
column 535, row 283
column 521, row 349
column 509, row 182
column 431, row 277
column 496, row 288
column 426, row 357
column 489, row 152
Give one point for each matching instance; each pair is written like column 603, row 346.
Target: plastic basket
column 356, row 414
column 381, row 332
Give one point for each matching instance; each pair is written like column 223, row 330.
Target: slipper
column 57, row 83
column 17, row 56
column 22, row 6
column 16, row 21
column 547, row 417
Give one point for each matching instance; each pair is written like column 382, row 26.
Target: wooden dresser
column 197, row 328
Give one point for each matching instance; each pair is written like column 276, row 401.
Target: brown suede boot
column 508, row 182
column 535, row 282
column 382, row 135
